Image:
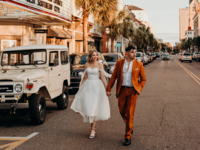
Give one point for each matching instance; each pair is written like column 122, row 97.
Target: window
column 28, row 57
column 64, row 57
column 53, row 59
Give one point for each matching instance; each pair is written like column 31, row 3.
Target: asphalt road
column 167, row 117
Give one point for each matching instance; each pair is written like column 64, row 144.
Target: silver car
column 146, row 58
column 139, row 57
column 111, row 59
column 165, row 56
column 186, row 57
column 195, row 55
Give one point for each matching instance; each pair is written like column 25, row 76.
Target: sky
column 163, row 16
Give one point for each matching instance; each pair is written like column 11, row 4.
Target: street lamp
column 107, row 32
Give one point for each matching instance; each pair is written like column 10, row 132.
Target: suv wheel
column 190, row 61
column 62, row 100
column 197, row 60
column 37, row 109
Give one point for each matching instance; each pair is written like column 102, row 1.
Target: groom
column 131, row 78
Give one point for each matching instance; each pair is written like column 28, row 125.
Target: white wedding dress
column 91, row 100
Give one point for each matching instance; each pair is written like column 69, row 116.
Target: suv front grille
column 74, row 74
column 6, row 80
column 6, row 88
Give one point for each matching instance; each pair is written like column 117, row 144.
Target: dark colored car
column 111, row 59
column 78, row 61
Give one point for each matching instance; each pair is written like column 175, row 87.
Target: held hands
column 108, row 93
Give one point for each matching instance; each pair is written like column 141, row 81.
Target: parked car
column 78, row 61
column 0, row 61
column 186, row 57
column 154, row 56
column 180, row 55
column 157, row 54
column 150, row 57
column 139, row 57
column 111, row 59
column 165, row 56
column 194, row 56
column 198, row 57
column 32, row 75
column 146, row 58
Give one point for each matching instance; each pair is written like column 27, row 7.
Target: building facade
column 119, row 44
column 34, row 22
column 183, row 22
column 141, row 15
column 188, row 20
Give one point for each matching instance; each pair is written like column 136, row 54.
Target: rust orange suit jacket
column 138, row 76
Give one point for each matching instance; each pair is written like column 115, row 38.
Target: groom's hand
column 108, row 93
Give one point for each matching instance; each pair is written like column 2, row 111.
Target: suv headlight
column 18, row 88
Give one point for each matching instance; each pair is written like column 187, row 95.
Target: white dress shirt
column 127, row 74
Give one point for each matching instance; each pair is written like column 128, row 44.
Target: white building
column 142, row 15
column 189, row 34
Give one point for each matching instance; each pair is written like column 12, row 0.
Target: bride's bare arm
column 85, row 75
column 102, row 76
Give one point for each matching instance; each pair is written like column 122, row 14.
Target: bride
column 91, row 100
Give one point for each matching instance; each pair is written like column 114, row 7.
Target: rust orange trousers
column 127, row 103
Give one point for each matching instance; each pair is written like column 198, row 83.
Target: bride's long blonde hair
column 89, row 59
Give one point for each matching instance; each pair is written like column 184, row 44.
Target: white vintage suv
column 32, row 75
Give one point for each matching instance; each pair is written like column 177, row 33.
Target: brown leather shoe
column 127, row 142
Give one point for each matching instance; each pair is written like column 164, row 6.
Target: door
column 65, row 66
column 55, row 86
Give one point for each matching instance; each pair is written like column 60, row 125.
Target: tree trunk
column 112, row 45
column 85, row 23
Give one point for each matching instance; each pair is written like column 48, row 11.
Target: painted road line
column 189, row 72
column 17, row 141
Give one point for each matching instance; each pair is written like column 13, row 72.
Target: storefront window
column 8, row 44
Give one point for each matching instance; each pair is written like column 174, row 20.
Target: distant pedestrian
column 131, row 78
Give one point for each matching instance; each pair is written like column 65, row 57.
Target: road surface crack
column 162, row 114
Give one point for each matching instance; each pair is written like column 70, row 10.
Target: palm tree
column 119, row 25
column 157, row 45
column 141, row 38
column 102, row 10
column 196, row 41
column 151, row 41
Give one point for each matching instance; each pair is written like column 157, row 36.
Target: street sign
column 118, row 45
column 61, row 9
column 41, row 31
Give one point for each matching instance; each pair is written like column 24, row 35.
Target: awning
column 96, row 36
column 58, row 33
column 79, row 37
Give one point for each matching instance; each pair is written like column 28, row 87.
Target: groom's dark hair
column 130, row 48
